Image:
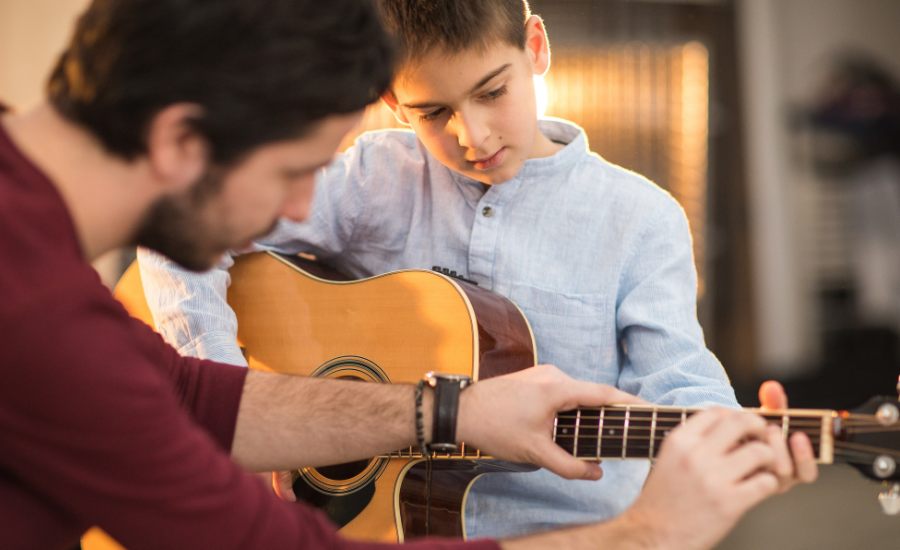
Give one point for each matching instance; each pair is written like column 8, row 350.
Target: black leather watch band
column 446, row 408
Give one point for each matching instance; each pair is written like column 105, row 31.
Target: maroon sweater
column 102, row 423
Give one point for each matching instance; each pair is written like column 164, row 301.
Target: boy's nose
column 471, row 131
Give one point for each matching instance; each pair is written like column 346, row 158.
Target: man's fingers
column 282, row 482
column 587, row 394
column 748, row 459
column 804, row 460
column 772, row 396
column 735, row 427
column 567, row 466
column 756, row 488
column 783, row 466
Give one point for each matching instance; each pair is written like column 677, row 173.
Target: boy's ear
column 390, row 100
column 176, row 152
column 536, row 44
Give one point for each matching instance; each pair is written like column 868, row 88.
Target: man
column 189, row 127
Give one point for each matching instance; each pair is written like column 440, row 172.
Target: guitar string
column 633, row 423
column 778, row 420
column 862, row 424
column 870, row 448
column 676, row 417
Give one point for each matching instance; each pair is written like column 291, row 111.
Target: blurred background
column 776, row 125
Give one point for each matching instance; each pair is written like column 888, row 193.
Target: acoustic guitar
column 298, row 317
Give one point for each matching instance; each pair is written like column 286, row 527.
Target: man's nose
column 298, row 200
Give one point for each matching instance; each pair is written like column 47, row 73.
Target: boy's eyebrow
column 488, row 78
column 481, row 83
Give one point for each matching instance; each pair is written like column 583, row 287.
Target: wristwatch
column 446, row 408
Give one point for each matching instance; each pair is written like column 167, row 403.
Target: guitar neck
column 622, row 432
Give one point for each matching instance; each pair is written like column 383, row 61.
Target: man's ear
column 390, row 100
column 536, row 44
column 177, row 154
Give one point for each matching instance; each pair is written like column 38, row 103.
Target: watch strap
column 446, row 409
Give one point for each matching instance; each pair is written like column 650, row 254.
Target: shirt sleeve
column 665, row 359
column 190, row 309
column 102, row 433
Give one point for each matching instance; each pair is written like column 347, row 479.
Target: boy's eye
column 494, row 94
column 433, row 115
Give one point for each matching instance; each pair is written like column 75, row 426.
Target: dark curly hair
column 262, row 70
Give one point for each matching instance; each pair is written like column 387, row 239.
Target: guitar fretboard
column 637, row 431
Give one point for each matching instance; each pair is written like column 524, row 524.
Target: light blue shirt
column 598, row 258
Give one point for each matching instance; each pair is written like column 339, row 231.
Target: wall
column 785, row 46
column 32, row 34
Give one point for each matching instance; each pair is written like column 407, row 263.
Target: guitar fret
column 600, row 433
column 625, row 431
column 652, row 433
column 555, row 426
column 785, row 425
column 577, row 429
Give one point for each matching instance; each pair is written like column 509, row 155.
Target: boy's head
column 465, row 81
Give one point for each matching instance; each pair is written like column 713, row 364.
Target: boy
column 598, row 258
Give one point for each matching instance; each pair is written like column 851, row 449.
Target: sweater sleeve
column 91, row 426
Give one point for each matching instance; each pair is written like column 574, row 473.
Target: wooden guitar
column 296, row 317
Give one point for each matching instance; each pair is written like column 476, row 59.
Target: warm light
column 645, row 107
column 540, row 94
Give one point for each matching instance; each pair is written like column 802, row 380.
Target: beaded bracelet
column 420, row 424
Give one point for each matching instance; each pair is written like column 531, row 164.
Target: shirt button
column 487, row 212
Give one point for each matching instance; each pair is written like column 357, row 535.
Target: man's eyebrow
column 481, row 83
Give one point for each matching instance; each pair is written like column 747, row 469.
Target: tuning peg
column 890, row 500
column 887, row 414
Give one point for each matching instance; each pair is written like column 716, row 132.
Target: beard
column 175, row 227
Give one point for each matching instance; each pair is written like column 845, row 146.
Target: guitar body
column 296, row 317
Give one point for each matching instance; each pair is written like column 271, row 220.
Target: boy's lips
column 489, row 162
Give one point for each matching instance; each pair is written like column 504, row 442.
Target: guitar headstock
column 868, row 438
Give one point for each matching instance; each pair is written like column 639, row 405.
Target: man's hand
column 710, row 471
column 511, row 417
column 713, row 469
column 798, row 466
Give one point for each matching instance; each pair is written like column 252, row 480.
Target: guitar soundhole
column 343, row 491
column 340, row 509
column 345, row 471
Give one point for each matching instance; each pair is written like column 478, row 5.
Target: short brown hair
column 420, row 26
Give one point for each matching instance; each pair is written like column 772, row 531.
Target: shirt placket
column 483, row 242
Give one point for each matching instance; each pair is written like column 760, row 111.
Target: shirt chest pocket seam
column 557, row 303
column 569, row 324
